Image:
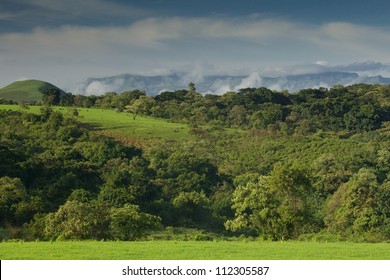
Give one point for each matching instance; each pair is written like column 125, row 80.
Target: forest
column 259, row 164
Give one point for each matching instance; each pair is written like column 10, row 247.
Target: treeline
column 282, row 179
column 353, row 108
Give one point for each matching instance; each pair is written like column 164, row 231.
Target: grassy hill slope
column 121, row 126
column 28, row 90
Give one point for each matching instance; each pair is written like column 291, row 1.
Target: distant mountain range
column 219, row 84
column 31, row 90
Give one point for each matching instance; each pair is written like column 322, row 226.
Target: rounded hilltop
column 27, row 90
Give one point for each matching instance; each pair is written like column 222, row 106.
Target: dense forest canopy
column 316, row 161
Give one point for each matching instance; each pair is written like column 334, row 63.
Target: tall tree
column 51, row 96
column 358, row 206
column 275, row 206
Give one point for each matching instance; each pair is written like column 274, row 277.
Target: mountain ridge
column 220, row 84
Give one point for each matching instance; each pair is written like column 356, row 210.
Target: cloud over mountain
column 254, row 42
column 299, row 77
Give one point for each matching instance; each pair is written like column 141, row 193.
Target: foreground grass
column 193, row 250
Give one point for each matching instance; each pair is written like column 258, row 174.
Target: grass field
column 193, row 250
column 121, row 125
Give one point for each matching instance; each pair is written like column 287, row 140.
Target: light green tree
column 276, row 206
column 329, row 173
column 359, row 206
column 139, row 106
column 77, row 220
column 129, row 223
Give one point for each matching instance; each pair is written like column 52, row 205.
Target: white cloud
column 164, row 32
column 353, row 40
column 253, row 80
column 100, row 87
column 322, row 62
column 220, row 86
column 165, row 43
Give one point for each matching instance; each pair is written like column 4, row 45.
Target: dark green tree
column 12, row 193
column 51, row 96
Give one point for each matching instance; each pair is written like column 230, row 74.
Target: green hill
column 28, row 90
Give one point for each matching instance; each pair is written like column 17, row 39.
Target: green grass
column 29, row 90
column 121, row 125
column 193, row 250
column 31, row 109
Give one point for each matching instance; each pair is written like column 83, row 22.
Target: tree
column 128, row 223
column 193, row 208
column 8, row 161
column 132, row 176
column 330, row 173
column 191, row 87
column 238, row 115
column 268, row 114
column 294, row 192
column 255, row 208
column 139, row 106
column 189, row 172
column 126, row 97
column 107, row 101
column 115, row 196
column 12, row 192
column 51, row 96
column 275, row 206
column 358, row 206
column 67, row 99
column 363, row 117
column 77, row 220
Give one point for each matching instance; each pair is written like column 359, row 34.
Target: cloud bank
column 252, row 44
column 299, row 77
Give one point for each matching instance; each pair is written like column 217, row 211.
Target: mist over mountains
column 320, row 76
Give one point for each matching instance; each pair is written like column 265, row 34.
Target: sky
column 67, row 41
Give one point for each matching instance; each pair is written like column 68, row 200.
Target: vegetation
column 254, row 163
column 193, row 250
column 119, row 125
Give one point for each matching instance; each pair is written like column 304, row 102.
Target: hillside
column 317, row 161
column 28, row 90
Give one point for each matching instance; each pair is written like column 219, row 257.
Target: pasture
column 120, row 126
column 193, row 250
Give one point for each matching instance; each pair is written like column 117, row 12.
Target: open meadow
column 120, row 126
column 193, row 250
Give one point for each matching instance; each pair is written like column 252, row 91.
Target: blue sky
column 68, row 41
